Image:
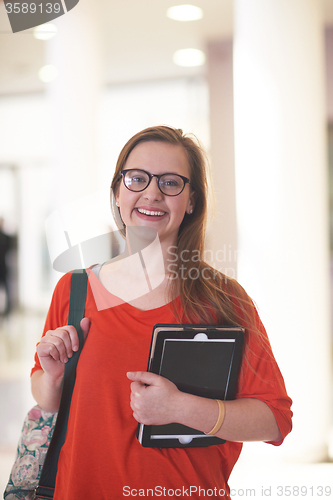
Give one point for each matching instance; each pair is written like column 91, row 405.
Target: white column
column 222, row 233
column 282, row 208
column 74, row 106
column 74, row 97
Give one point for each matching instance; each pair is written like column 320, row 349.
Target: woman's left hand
column 154, row 399
column 157, row 401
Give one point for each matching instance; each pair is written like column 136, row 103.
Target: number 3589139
column 31, row 8
column 312, row 491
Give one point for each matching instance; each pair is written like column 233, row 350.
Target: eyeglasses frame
column 186, row 180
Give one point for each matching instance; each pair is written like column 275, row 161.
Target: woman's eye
column 171, row 182
column 138, row 179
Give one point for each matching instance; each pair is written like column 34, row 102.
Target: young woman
column 160, row 183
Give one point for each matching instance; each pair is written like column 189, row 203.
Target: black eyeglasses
column 169, row 184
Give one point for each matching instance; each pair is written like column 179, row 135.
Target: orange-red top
column 101, row 458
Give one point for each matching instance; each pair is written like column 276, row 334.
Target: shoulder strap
column 77, row 302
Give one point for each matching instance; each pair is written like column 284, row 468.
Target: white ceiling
column 137, row 41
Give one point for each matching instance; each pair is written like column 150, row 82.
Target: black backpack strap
column 77, row 303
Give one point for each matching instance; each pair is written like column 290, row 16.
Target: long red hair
column 207, row 296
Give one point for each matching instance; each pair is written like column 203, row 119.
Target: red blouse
column 101, row 457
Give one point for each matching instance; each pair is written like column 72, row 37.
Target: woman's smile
column 150, row 213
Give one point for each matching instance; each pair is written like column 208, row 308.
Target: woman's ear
column 116, row 212
column 191, row 203
column 116, row 194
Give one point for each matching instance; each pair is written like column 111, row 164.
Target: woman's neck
column 157, row 255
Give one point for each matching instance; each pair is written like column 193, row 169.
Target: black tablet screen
column 198, row 367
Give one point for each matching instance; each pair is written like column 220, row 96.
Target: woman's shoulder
column 62, row 288
column 64, row 281
column 66, row 278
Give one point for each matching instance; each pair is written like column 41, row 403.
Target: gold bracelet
column 220, row 418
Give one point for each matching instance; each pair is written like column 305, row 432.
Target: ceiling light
column 185, row 13
column 48, row 73
column 189, row 57
column 45, row 31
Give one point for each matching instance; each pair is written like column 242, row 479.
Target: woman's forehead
column 158, row 157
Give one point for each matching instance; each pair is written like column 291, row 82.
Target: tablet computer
column 199, row 359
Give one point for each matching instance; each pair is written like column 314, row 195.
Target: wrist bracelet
column 220, row 418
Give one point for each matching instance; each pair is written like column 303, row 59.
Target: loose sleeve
column 261, row 378
column 58, row 312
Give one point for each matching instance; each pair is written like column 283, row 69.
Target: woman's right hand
column 57, row 346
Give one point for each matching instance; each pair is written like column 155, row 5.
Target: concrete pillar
column 282, row 207
column 222, row 233
column 73, row 98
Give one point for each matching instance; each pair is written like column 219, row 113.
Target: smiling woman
column 160, row 186
column 159, row 195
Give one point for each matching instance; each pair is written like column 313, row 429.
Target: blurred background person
column 7, row 243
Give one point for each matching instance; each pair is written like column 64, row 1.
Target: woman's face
column 156, row 158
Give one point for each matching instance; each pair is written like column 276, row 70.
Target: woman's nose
column 153, row 191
